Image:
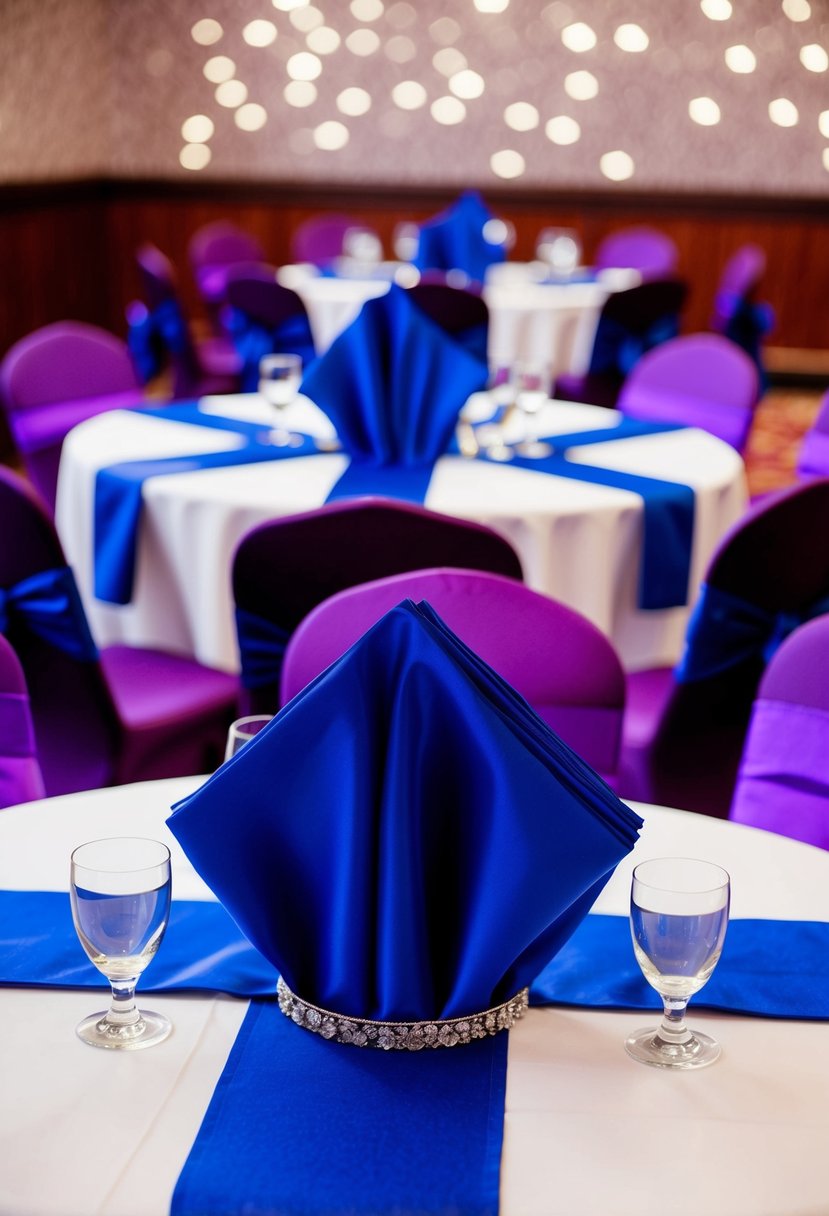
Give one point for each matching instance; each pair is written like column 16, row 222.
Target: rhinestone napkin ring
column 400, row 1036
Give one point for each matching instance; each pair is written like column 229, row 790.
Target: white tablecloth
column 552, row 323
column 588, row 1131
column 579, row 543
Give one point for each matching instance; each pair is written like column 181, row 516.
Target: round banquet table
column 530, row 321
column 578, row 542
column 588, row 1131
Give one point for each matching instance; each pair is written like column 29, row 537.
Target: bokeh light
column 617, row 166
column 783, row 112
column 259, row 33
column 631, row 38
column 740, row 59
column 705, row 111
column 562, row 130
column 581, row 86
column 194, row 156
column 366, row 10
column 251, row 117
column 197, row 129
column 507, row 163
column 206, row 32
column 467, row 84
column 303, row 66
column 323, row 40
column 363, row 42
column 300, row 93
column 521, row 116
column 219, row 68
column 354, row 102
column 578, row 37
column 797, row 10
column 331, row 136
column 716, row 10
column 814, row 57
column 409, row 95
column 231, row 93
column 448, row 111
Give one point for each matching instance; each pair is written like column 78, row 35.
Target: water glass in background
column 243, row 730
column 280, row 376
column 560, row 250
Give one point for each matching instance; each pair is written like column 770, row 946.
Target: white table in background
column 579, row 543
column 588, row 1131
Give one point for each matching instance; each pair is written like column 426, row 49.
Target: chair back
column 813, row 458
column 783, row 781
column 639, row 247
column 554, row 657
column 701, row 380
column 768, row 575
column 460, row 311
column 284, row 568
column 55, row 378
column 263, row 317
column 169, row 334
column 20, row 777
column 223, row 243
column 74, row 717
column 737, row 313
column 320, row 238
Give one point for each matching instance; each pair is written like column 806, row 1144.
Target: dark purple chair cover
column 701, row 380
column 20, row 777
column 55, row 378
column 134, row 715
column 319, row 240
column 630, row 323
column 813, row 458
column 266, row 317
column 641, row 248
column 737, row 313
column 210, row 365
column 212, row 251
column 459, row 311
column 783, row 782
column 682, row 742
column 554, row 657
column 284, row 568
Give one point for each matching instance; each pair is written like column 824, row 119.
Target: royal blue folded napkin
column 457, row 239
column 407, row 840
column 393, row 384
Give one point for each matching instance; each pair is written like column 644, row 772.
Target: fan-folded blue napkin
column 456, row 239
column 393, row 384
column 407, row 840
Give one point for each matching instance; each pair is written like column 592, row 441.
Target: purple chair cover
column 701, row 380
column 135, row 714
column 20, row 777
column 319, row 240
column 284, row 568
column 783, row 782
column 264, row 316
column 199, row 368
column 737, row 313
column 682, row 742
column 630, row 323
column 641, row 248
column 555, row 658
column 813, row 458
column 55, row 378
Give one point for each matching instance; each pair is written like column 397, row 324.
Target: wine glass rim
column 127, row 869
column 724, row 879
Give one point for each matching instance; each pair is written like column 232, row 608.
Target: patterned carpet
column 782, row 419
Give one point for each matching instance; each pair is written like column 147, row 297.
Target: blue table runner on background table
column 668, row 506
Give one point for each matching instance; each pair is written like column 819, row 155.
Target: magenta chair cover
column 813, row 458
column 783, row 782
column 284, row 568
column 641, row 248
column 20, row 777
column 161, row 334
column 555, row 658
column 683, row 741
column 701, row 380
column 127, row 714
column 631, row 323
column 319, row 240
column 55, row 378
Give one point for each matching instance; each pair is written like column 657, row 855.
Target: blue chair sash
column 253, row 341
column 49, row 604
column 152, row 334
column 725, row 631
column 261, row 648
column 616, row 348
column 454, row 239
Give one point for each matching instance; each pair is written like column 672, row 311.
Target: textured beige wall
column 105, row 86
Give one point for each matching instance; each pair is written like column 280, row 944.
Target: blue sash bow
column 261, row 648
column 49, row 604
column 152, row 334
column 455, row 240
column 725, row 631
column 254, row 340
column 616, row 348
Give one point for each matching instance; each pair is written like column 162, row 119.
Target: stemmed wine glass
column 532, row 392
column 678, row 917
column 280, row 376
column 243, row 730
column 120, row 893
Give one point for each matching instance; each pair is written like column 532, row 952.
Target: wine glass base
column 648, row 1047
column 151, row 1028
column 535, row 449
column 285, row 439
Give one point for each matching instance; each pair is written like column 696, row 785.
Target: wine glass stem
column 672, row 1028
column 123, row 1010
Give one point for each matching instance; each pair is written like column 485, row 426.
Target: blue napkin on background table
column 455, row 239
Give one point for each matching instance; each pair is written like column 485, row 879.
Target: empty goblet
column 120, row 894
column 678, row 917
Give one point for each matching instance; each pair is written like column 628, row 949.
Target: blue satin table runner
column 769, row 968
column 668, row 506
column 283, row 1134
